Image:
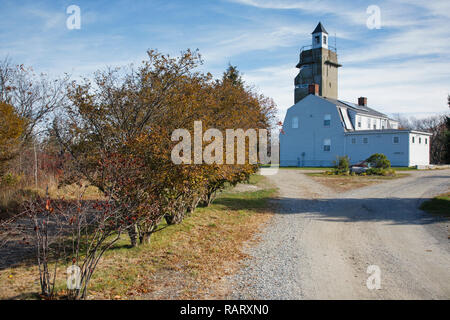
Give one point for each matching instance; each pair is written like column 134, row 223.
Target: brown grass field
column 185, row 261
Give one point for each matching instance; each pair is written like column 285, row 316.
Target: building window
column 396, row 140
column 374, row 126
column 327, row 145
column 365, row 140
column 324, row 39
column 294, row 122
column 327, row 120
column 317, row 39
column 413, row 140
column 420, row 140
column 426, row 141
column 368, row 123
column 353, row 140
column 358, row 119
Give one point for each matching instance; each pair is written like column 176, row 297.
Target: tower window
column 324, row 39
column 294, row 122
column 327, row 120
column 317, row 39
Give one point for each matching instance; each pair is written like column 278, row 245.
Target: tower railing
column 309, row 47
column 304, row 48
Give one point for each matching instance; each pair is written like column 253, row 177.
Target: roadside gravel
column 319, row 244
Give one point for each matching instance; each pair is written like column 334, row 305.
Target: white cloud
column 276, row 82
column 436, row 8
column 413, row 86
column 403, row 44
column 417, row 87
column 345, row 10
column 223, row 44
column 51, row 19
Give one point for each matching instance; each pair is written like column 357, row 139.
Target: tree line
column 113, row 131
column 439, row 127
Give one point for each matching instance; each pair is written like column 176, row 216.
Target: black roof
column 357, row 108
column 320, row 28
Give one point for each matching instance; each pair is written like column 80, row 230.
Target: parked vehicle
column 360, row 167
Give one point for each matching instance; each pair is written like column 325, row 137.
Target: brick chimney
column 313, row 89
column 362, row 101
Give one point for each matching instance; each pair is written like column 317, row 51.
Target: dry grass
column 190, row 260
column 346, row 183
column 439, row 205
column 12, row 198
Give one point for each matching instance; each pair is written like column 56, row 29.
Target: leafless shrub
column 436, row 125
column 74, row 233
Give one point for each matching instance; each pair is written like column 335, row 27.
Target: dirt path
column 320, row 243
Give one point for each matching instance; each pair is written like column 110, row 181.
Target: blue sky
column 403, row 67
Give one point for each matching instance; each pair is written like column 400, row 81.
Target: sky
column 402, row 67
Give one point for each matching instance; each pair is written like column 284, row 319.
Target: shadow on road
column 391, row 210
column 395, row 211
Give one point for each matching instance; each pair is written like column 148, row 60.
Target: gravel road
column 320, row 244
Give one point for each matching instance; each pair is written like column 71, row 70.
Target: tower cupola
column 320, row 37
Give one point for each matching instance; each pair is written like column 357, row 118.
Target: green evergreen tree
column 232, row 74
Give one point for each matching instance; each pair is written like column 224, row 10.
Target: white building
column 319, row 128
